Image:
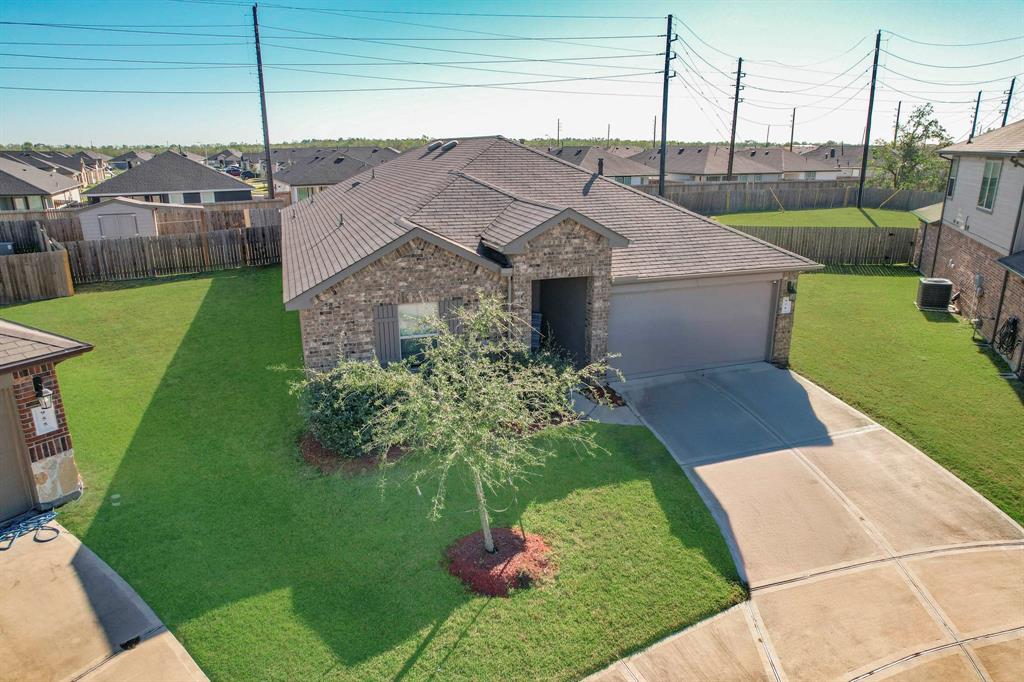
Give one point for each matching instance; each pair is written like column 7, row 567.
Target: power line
column 822, row 61
column 953, row 66
column 816, row 85
column 921, row 42
column 444, row 14
column 951, row 83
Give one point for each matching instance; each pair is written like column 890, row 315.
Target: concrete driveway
column 65, row 615
column 864, row 557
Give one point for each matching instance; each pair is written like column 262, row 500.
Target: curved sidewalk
column 865, row 558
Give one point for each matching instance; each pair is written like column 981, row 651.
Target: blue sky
column 811, row 47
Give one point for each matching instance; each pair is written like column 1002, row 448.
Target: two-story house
column 978, row 240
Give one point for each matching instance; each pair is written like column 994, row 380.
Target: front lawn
column 267, row 570
column 825, row 217
column 859, row 335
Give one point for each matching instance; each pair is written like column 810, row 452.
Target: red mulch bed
column 328, row 461
column 517, row 563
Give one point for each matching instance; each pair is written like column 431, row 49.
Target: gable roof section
column 614, row 163
column 327, row 169
column 19, row 179
column 1005, row 141
column 167, row 172
column 22, row 346
column 781, row 160
column 134, row 202
column 711, row 160
column 461, row 192
column 133, row 155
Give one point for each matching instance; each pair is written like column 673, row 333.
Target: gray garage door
column 676, row 326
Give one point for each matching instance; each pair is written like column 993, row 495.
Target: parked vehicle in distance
column 233, row 170
column 247, row 175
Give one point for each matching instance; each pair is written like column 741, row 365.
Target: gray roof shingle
column 19, row 179
column 495, row 186
column 327, row 169
column 167, row 172
column 21, row 346
column 1006, row 140
column 614, row 163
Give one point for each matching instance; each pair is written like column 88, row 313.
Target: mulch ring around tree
column 328, row 461
column 518, row 561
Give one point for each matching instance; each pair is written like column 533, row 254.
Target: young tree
column 478, row 403
column 912, row 161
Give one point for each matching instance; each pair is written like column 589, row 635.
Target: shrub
column 339, row 405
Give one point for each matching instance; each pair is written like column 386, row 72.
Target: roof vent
column 341, row 220
column 681, row 150
column 434, row 145
column 339, row 159
column 600, row 166
column 832, row 153
column 449, row 145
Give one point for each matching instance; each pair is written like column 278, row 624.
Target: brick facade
column 959, row 258
column 782, row 334
column 339, row 323
column 569, row 250
column 51, row 455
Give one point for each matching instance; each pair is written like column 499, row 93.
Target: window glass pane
column 413, row 319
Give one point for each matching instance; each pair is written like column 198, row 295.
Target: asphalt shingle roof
column 462, row 192
column 19, row 179
column 21, row 346
column 614, row 164
column 167, row 172
column 714, row 160
column 327, row 169
column 133, row 155
column 1006, row 140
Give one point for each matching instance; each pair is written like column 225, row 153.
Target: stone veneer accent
column 568, row 250
column 959, row 258
column 782, row 334
column 339, row 323
column 54, row 472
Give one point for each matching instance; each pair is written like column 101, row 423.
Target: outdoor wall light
column 44, row 394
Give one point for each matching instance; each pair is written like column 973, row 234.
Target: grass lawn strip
column 266, row 569
column 859, row 335
column 826, row 217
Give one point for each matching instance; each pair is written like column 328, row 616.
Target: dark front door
column 15, row 494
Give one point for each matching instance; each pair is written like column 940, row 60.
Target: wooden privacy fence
column 738, row 197
column 842, row 245
column 34, row 276
column 108, row 260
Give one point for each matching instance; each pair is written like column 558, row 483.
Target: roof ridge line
column 501, row 190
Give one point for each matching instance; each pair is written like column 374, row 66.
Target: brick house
column 594, row 265
column 977, row 240
column 37, row 464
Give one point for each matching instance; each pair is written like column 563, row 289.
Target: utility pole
column 792, row 128
column 654, row 133
column 867, row 126
column 558, row 132
column 767, row 135
column 1009, row 98
column 735, row 115
column 664, row 107
column 263, row 106
column 896, row 129
column 974, row 121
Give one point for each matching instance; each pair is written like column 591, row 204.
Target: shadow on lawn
column 872, row 270
column 215, row 507
column 867, row 217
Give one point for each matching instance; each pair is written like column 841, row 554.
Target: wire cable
column 953, row 66
column 443, row 14
column 950, row 83
column 921, row 42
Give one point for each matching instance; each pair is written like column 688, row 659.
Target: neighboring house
column 842, row 157
column 198, row 158
column 37, row 462
column 129, row 159
column 789, row 165
column 26, row 188
column 305, row 178
column 977, row 241
column 605, row 162
column 753, row 164
column 123, row 217
column 170, row 178
column 625, row 150
column 600, row 266
column 82, row 170
column 288, row 156
column 225, row 158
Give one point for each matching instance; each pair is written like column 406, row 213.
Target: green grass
column 825, row 217
column 267, row 570
column 859, row 335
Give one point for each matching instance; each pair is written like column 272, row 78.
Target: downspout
column 942, row 220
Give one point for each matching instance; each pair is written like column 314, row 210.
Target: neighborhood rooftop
column 167, row 172
column 588, row 158
column 467, row 193
column 18, row 179
column 323, row 169
column 714, row 160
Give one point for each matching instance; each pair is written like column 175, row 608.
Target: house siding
column 993, row 228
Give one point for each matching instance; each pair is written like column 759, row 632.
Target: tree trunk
column 485, row 521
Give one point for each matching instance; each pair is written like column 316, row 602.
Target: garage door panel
column 664, row 329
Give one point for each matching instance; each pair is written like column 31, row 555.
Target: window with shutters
column 416, row 327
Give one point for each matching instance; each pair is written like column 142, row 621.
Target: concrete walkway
column 66, row 615
column 865, row 558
